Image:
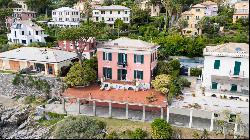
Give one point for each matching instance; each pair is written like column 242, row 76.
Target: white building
column 226, row 70
column 109, row 14
column 65, row 17
column 26, row 32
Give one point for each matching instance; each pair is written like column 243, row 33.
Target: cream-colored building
column 241, row 10
column 43, row 60
column 154, row 8
column 197, row 12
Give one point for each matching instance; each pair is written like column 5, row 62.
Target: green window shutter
column 142, row 59
column 134, row 58
column 233, row 88
column 110, row 72
column 110, row 56
column 125, row 58
column 103, row 55
column 214, row 85
column 134, row 74
column 237, row 68
column 216, row 64
column 142, row 75
column 119, row 74
column 103, row 72
column 119, row 58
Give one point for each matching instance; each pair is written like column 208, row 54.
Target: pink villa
column 19, row 14
column 126, row 63
column 89, row 46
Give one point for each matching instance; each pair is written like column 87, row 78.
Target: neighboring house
column 241, row 10
column 20, row 14
column 47, row 61
column 154, row 8
column 196, row 13
column 22, row 3
column 226, row 70
column 65, row 17
column 88, row 46
column 26, row 32
column 126, row 63
column 109, row 14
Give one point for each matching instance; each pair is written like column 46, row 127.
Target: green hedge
column 195, row 72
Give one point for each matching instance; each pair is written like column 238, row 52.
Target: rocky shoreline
column 19, row 122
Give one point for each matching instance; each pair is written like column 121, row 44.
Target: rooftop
column 112, row 7
column 209, row 3
column 198, row 6
column 65, row 9
column 28, row 23
column 129, row 96
column 124, row 42
column 229, row 48
column 38, row 55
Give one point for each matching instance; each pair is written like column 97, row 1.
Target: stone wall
column 8, row 89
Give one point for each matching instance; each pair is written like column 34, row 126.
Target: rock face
column 18, row 123
column 8, row 89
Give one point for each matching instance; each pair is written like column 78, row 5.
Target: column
column 143, row 113
column 191, row 118
column 64, row 109
column 161, row 112
column 110, row 109
column 94, row 108
column 46, row 69
column 126, row 110
column 79, row 105
column 212, row 122
column 168, row 114
column 235, row 129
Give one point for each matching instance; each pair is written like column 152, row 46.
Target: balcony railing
column 122, row 64
column 240, row 75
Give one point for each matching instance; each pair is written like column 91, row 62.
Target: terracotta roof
column 229, row 48
column 130, row 96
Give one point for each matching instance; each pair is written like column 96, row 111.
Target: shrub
column 79, row 127
column 195, row 72
column 29, row 99
column 161, row 129
column 112, row 135
column 138, row 134
column 184, row 82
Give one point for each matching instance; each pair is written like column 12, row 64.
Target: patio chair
column 102, row 87
column 107, row 88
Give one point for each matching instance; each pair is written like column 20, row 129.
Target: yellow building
column 241, row 10
column 197, row 12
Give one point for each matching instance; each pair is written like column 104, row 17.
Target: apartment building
column 241, row 10
column 65, row 17
column 109, row 14
column 22, row 3
column 197, row 12
column 87, row 48
column 226, row 70
column 126, row 63
column 26, row 32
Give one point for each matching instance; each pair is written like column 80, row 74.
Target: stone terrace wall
column 8, row 89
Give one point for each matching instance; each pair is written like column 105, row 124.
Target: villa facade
column 109, row 14
column 65, row 17
column 226, row 70
column 241, row 10
column 26, row 32
column 126, row 63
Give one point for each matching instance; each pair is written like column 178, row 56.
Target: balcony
column 240, row 75
column 122, row 64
